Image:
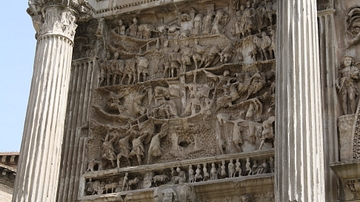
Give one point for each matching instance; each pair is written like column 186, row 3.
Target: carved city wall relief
column 182, row 83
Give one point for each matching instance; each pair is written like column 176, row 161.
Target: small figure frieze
column 193, row 173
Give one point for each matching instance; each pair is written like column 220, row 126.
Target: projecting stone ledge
column 257, row 188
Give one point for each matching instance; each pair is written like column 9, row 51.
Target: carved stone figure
column 129, row 72
column 206, row 173
column 179, row 177
column 231, row 169
column 125, row 184
column 142, row 68
column 196, row 31
column 105, row 69
column 238, row 167
column 133, row 28
column 223, row 173
column 254, row 168
column 256, row 83
column 198, row 175
column 346, row 85
column 121, row 30
column 191, row 174
column 124, row 147
column 198, row 52
column 108, row 150
column 117, row 68
column 248, row 166
column 144, row 31
column 237, row 136
column 267, row 130
column 220, row 21
column 238, row 29
column 264, row 44
column 207, row 21
column 155, row 147
column 213, row 172
column 271, row 165
column 263, row 168
column 272, row 47
column 138, row 148
column 211, row 56
column 248, row 18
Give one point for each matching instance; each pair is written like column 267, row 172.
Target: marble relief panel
column 179, row 83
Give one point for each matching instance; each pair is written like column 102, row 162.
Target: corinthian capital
column 58, row 16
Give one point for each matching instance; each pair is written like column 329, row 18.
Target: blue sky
column 17, row 51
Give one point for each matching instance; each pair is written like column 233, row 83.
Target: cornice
column 104, row 8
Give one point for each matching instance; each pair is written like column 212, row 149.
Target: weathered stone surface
column 173, row 94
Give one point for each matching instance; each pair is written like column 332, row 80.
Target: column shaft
column 299, row 156
column 39, row 163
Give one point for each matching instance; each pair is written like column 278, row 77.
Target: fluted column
column 328, row 65
column 39, row 163
column 299, row 174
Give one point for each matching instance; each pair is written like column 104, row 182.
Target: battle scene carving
column 184, row 85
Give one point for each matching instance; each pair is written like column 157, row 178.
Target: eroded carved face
column 348, row 61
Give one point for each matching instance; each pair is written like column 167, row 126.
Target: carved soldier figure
column 138, row 148
column 124, row 147
column 108, row 149
column 346, row 84
column 155, row 147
